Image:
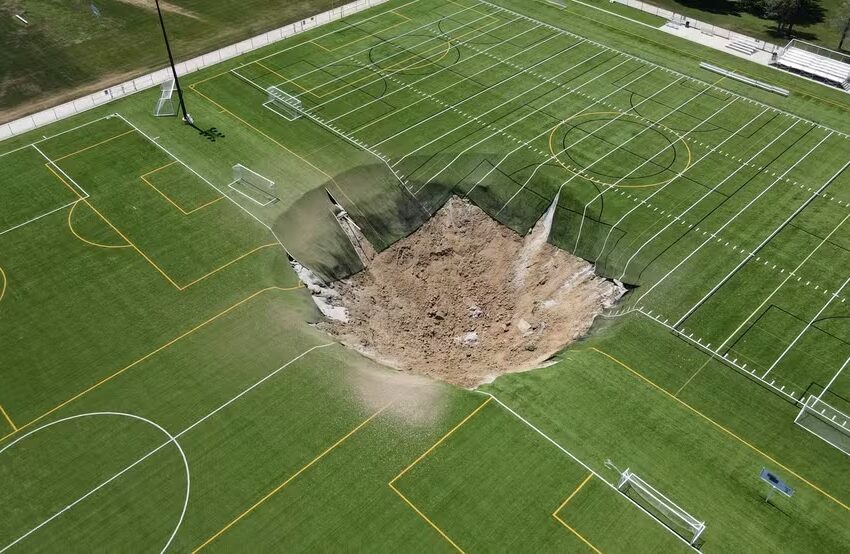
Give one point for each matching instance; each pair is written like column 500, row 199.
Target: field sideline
column 163, row 388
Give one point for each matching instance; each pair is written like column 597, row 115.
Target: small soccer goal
column 826, row 422
column 283, row 103
column 253, row 186
column 661, row 508
column 165, row 104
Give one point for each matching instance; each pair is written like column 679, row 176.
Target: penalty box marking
column 171, row 201
column 52, row 163
column 565, row 524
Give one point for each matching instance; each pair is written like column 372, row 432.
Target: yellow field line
column 167, row 198
column 150, row 354
column 329, row 177
column 424, row 517
column 8, row 419
column 724, row 429
column 288, row 480
column 572, row 494
column 145, row 256
column 577, row 534
column 417, row 460
column 85, row 240
column 5, row 281
column 405, row 19
column 94, row 145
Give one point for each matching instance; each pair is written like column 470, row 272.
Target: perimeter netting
column 661, row 508
column 252, row 185
column 283, row 103
column 826, row 422
column 165, row 105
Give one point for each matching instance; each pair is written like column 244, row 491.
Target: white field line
column 171, row 440
column 429, row 75
column 658, row 190
column 521, row 119
column 237, row 191
column 477, row 117
column 62, row 171
column 613, row 185
column 704, row 196
column 335, row 31
column 430, row 96
column 668, row 70
column 36, row 218
column 204, row 179
column 401, row 51
column 553, row 157
column 547, row 130
column 581, row 463
column 382, row 74
column 267, row 106
column 788, row 277
column 46, row 138
column 826, row 305
column 712, row 235
column 761, row 245
column 163, row 445
column 724, row 358
column 832, row 380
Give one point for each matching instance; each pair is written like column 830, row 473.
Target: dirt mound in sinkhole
column 465, row 299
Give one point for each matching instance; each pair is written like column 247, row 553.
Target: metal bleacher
column 816, row 62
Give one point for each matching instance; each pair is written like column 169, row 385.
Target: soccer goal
column 165, row 105
column 283, row 103
column 661, row 508
column 826, row 422
column 253, row 186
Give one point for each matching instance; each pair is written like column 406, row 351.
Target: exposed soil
column 465, row 299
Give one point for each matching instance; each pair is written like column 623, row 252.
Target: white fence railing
column 699, row 25
column 150, row 80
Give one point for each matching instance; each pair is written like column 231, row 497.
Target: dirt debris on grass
column 465, row 299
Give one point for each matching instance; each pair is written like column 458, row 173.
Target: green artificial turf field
column 162, row 387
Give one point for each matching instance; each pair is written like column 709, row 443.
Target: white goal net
column 826, row 422
column 661, row 508
column 252, row 185
column 165, row 104
column 283, row 103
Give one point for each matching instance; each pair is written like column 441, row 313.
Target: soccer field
column 163, row 387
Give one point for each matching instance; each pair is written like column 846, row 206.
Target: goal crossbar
column 283, row 103
column 165, row 104
column 669, row 513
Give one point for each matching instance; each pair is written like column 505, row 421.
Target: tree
column 841, row 21
column 788, row 13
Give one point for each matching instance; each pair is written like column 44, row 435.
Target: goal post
column 283, row 103
column 252, row 185
column 826, row 422
column 661, row 508
column 164, row 104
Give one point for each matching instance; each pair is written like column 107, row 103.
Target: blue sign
column 775, row 482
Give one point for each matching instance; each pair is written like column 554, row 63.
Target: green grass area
column 67, row 50
column 162, row 383
column 734, row 16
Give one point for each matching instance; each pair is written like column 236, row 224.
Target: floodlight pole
column 186, row 117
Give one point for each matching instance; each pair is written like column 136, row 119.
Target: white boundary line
column 172, row 439
column 767, row 239
column 668, row 70
column 534, row 111
column 477, row 117
column 704, row 196
column 463, row 79
column 613, row 185
column 62, row 171
column 582, row 464
column 27, row 222
column 658, row 190
column 712, row 235
column 46, row 138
